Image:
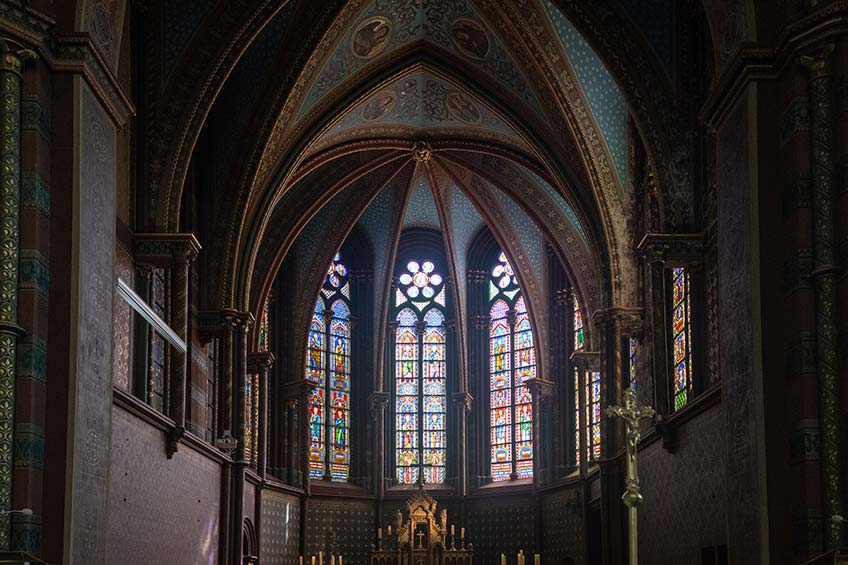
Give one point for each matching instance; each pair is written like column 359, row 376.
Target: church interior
column 423, row 282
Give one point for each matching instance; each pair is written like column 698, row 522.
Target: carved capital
column 13, row 55
column 819, row 64
column 586, row 360
column 676, row 247
column 464, row 400
column 541, row 389
column 166, row 249
column 260, row 361
column 299, row 390
column 378, row 402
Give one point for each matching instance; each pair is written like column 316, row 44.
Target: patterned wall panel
column 122, row 314
column 562, row 527
column 685, row 505
column 527, row 230
column 249, row 499
column 501, row 524
column 280, row 536
column 160, row 510
column 340, row 526
column 421, row 210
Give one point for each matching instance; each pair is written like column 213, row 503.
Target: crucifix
column 420, row 536
column 631, row 413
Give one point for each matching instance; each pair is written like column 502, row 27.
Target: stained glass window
column 512, row 362
column 420, row 376
column 328, row 368
column 681, row 337
column 577, row 426
column 264, row 326
column 593, row 415
column 632, row 348
column 579, row 330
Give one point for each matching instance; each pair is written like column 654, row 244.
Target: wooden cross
column 631, row 413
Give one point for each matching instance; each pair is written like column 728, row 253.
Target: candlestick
column 379, row 533
column 503, row 559
column 462, row 533
column 300, row 560
column 537, row 559
column 333, row 559
column 340, row 560
column 453, row 529
column 320, row 558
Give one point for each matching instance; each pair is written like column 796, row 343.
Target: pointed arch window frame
column 513, row 457
column 420, row 351
column 329, row 369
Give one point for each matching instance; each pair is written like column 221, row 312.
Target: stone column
column 824, row 274
column 328, row 407
column 462, row 406
column 243, row 322
column 12, row 57
column 542, row 392
column 378, row 402
column 261, row 363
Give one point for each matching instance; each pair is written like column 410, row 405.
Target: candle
column 320, row 558
column 340, row 560
column 332, row 559
column 390, row 532
column 537, row 559
column 313, row 560
column 503, row 559
column 300, row 560
column 462, row 533
column 379, row 533
column 453, row 531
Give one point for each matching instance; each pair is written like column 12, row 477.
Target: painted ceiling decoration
column 421, row 106
column 601, row 91
column 385, row 26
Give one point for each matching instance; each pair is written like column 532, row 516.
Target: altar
column 422, row 537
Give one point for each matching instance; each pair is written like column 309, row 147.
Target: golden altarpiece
column 423, row 538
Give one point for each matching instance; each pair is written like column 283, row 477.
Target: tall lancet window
column 420, row 375
column 512, row 361
column 681, row 319
column 328, row 368
column 579, row 341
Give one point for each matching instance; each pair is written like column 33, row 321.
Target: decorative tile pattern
column 340, row 526
column 34, row 274
column 280, row 537
column 35, row 116
column 686, row 494
column 465, row 222
column 601, row 91
column 182, row 493
column 501, row 525
column 562, row 527
column 122, row 322
column 35, row 193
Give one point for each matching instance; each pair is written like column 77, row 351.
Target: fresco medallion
column 371, row 37
column 470, row 38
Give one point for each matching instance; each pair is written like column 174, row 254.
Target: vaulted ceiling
column 311, row 130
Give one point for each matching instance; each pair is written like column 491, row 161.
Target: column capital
column 480, row 321
column 258, row 361
column 299, row 390
column 378, row 402
column 541, row 389
column 630, row 319
column 819, row 63
column 166, row 249
column 586, row 360
column 677, row 247
column 13, row 55
column 238, row 320
column 463, row 399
